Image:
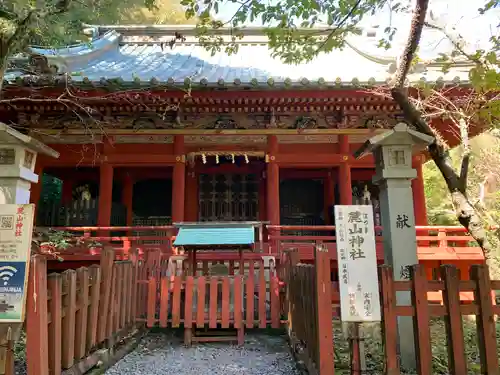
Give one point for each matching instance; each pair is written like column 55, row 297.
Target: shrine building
column 153, row 132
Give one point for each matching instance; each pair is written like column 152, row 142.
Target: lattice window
column 228, row 197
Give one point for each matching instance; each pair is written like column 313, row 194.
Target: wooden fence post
column 134, row 258
column 421, row 327
column 112, row 304
column 486, row 332
column 37, row 318
column 457, row 362
column 82, row 275
column 292, row 260
column 93, row 314
column 69, row 319
column 323, row 307
column 55, row 327
column 389, row 320
column 107, row 259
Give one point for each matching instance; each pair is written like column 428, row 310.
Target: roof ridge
column 190, row 30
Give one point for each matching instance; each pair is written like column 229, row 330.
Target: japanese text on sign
column 357, row 260
column 16, row 226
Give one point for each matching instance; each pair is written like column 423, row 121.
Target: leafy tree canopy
column 286, row 20
column 60, row 22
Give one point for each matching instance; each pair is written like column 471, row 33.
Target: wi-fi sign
column 6, row 272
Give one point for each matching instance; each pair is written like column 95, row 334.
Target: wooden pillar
column 329, row 187
column 105, row 195
column 344, row 178
column 325, row 354
column 128, row 197
column 37, row 318
column 178, row 180
column 417, row 186
column 273, row 182
column 191, row 201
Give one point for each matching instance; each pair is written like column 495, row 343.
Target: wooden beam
column 220, row 132
column 72, row 160
column 324, row 160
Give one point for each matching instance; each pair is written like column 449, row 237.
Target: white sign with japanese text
column 357, row 262
column 16, row 230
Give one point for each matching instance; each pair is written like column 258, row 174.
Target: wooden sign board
column 357, row 260
column 16, row 230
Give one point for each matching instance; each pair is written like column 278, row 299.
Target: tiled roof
column 126, row 59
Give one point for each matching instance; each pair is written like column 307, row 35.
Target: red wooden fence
column 452, row 309
column 249, row 297
column 70, row 314
column 308, row 335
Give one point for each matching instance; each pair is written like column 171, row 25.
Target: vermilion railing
column 444, row 243
column 434, row 243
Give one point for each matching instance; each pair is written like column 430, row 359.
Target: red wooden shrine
column 151, row 135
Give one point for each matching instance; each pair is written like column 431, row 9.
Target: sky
column 459, row 16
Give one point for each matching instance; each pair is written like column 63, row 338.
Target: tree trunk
column 465, row 211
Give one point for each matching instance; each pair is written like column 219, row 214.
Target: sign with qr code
column 16, row 229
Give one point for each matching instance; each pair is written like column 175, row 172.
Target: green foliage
column 53, row 28
column 484, row 172
column 285, row 20
column 51, row 242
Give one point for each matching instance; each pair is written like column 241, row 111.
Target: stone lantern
column 18, row 153
column 393, row 173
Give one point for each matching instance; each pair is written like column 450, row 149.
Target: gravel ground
column 159, row 354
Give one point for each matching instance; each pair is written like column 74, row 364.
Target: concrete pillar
column 393, row 167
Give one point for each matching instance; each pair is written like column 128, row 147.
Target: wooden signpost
column 358, row 278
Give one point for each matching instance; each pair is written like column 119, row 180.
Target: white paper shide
column 357, row 260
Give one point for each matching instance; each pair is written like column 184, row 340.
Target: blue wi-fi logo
column 6, row 272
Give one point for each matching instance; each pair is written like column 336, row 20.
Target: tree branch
column 464, row 210
column 417, row 25
column 464, row 169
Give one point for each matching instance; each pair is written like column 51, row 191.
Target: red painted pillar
column 417, row 186
column 191, row 201
column 345, row 183
column 128, row 197
column 273, row 182
column 178, row 180
column 105, row 195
